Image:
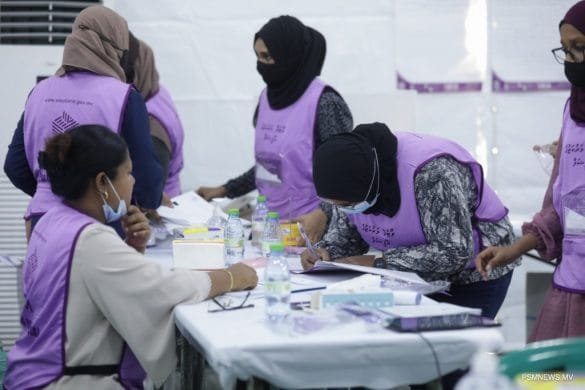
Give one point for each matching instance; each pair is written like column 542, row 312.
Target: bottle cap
column 273, row 215
column 261, row 198
column 235, row 212
column 276, row 247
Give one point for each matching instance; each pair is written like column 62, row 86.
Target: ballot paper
column 324, row 266
column 189, row 210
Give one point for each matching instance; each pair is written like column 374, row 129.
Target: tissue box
column 198, row 254
column 325, row 299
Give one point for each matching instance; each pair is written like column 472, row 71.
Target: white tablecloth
column 240, row 344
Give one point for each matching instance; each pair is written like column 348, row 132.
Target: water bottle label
column 258, row 225
column 234, row 243
column 277, row 288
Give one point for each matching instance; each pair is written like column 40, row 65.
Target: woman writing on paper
column 422, row 201
column 90, row 296
column 296, row 113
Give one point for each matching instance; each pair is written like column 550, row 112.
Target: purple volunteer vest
column 569, row 202
column 404, row 229
column 58, row 104
column 161, row 107
column 284, row 153
column 38, row 356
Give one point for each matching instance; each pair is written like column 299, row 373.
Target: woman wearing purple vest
column 422, row 201
column 90, row 296
column 558, row 229
column 89, row 88
column 166, row 128
column 295, row 114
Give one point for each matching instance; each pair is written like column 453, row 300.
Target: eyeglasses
column 228, row 302
column 574, row 54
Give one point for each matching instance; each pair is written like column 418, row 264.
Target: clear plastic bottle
column 216, row 223
column 277, row 284
column 484, row 375
column 233, row 238
column 271, row 233
column 258, row 220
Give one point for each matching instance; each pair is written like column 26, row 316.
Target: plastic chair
column 559, row 355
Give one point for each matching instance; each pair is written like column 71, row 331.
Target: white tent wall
column 204, row 55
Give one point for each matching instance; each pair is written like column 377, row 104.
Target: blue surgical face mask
column 361, row 207
column 109, row 212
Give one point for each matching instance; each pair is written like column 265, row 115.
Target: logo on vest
column 63, row 123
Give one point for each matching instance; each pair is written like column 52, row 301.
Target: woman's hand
column 209, row 193
column 314, row 224
column 494, row 256
column 166, row 200
column 137, row 228
column 245, row 277
column 365, row 260
column 308, row 260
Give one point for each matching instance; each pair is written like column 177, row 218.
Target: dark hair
column 74, row 158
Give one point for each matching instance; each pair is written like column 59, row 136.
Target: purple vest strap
column 38, row 356
column 58, row 104
column 161, row 107
column 284, row 153
column 569, row 202
column 404, row 229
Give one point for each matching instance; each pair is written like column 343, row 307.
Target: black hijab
column 298, row 52
column 343, row 168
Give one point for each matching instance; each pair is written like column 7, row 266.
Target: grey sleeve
column 445, row 193
column 333, row 116
column 342, row 238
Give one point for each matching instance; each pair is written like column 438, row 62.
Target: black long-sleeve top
column 136, row 132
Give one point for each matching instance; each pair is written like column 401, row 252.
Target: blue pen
column 307, row 241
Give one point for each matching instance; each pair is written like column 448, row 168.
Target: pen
column 308, row 289
column 175, row 203
column 307, row 241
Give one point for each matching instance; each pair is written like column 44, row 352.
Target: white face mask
column 109, row 212
column 364, row 205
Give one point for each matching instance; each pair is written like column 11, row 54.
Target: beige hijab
column 96, row 43
column 145, row 73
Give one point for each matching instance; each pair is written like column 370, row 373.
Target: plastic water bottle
column 277, row 284
column 258, row 220
column 484, row 375
column 233, row 238
column 271, row 233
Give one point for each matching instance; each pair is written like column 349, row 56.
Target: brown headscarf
column 97, row 42
column 145, row 73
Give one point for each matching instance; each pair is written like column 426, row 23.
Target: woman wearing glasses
column 90, row 296
column 422, row 201
column 558, row 229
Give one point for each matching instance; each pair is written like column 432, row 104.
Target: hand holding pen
column 309, row 259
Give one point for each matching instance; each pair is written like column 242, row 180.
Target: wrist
column 231, row 279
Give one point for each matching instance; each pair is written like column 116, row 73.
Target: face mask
column 109, row 212
column 272, row 74
column 364, row 205
column 575, row 73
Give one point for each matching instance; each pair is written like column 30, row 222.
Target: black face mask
column 272, row 74
column 575, row 73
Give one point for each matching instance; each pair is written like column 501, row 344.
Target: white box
column 198, row 254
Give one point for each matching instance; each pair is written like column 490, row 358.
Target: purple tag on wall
column 499, row 85
column 468, row 86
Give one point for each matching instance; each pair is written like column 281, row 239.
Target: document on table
column 189, row 209
column 324, row 266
